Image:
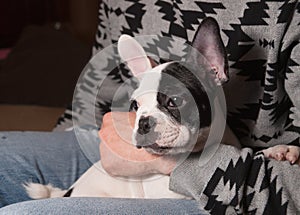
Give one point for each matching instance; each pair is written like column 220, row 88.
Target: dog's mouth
column 155, row 148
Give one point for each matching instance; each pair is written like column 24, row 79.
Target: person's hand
column 119, row 157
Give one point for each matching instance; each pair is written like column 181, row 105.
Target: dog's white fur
column 95, row 182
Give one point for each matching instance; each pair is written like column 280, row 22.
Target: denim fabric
column 40, row 157
column 83, row 206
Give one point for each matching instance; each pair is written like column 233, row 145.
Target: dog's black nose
column 145, row 124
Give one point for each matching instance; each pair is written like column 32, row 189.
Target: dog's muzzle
column 146, row 124
column 145, row 133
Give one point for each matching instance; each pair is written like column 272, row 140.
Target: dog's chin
column 156, row 149
column 162, row 150
column 175, row 141
column 155, row 146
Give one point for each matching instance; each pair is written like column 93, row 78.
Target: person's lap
column 57, row 158
column 42, row 157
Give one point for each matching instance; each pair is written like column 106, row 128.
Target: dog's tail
column 40, row 191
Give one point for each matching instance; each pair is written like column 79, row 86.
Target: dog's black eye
column 175, row 101
column 134, row 105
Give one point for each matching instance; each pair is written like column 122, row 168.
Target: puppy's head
column 171, row 104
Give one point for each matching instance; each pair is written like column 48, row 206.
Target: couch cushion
column 28, row 118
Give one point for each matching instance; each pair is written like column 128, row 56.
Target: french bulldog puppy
column 173, row 115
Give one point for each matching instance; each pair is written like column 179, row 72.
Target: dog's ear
column 208, row 42
column 134, row 55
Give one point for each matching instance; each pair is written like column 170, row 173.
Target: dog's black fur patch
column 185, row 86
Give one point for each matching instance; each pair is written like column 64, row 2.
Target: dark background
column 17, row 14
column 49, row 42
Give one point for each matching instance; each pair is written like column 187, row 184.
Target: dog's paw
column 283, row 152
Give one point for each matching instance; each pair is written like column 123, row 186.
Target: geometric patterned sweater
column 263, row 95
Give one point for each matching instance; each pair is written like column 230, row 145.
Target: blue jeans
column 58, row 158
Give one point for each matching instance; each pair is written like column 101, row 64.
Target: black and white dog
column 173, row 116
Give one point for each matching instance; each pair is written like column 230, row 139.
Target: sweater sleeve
column 237, row 181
